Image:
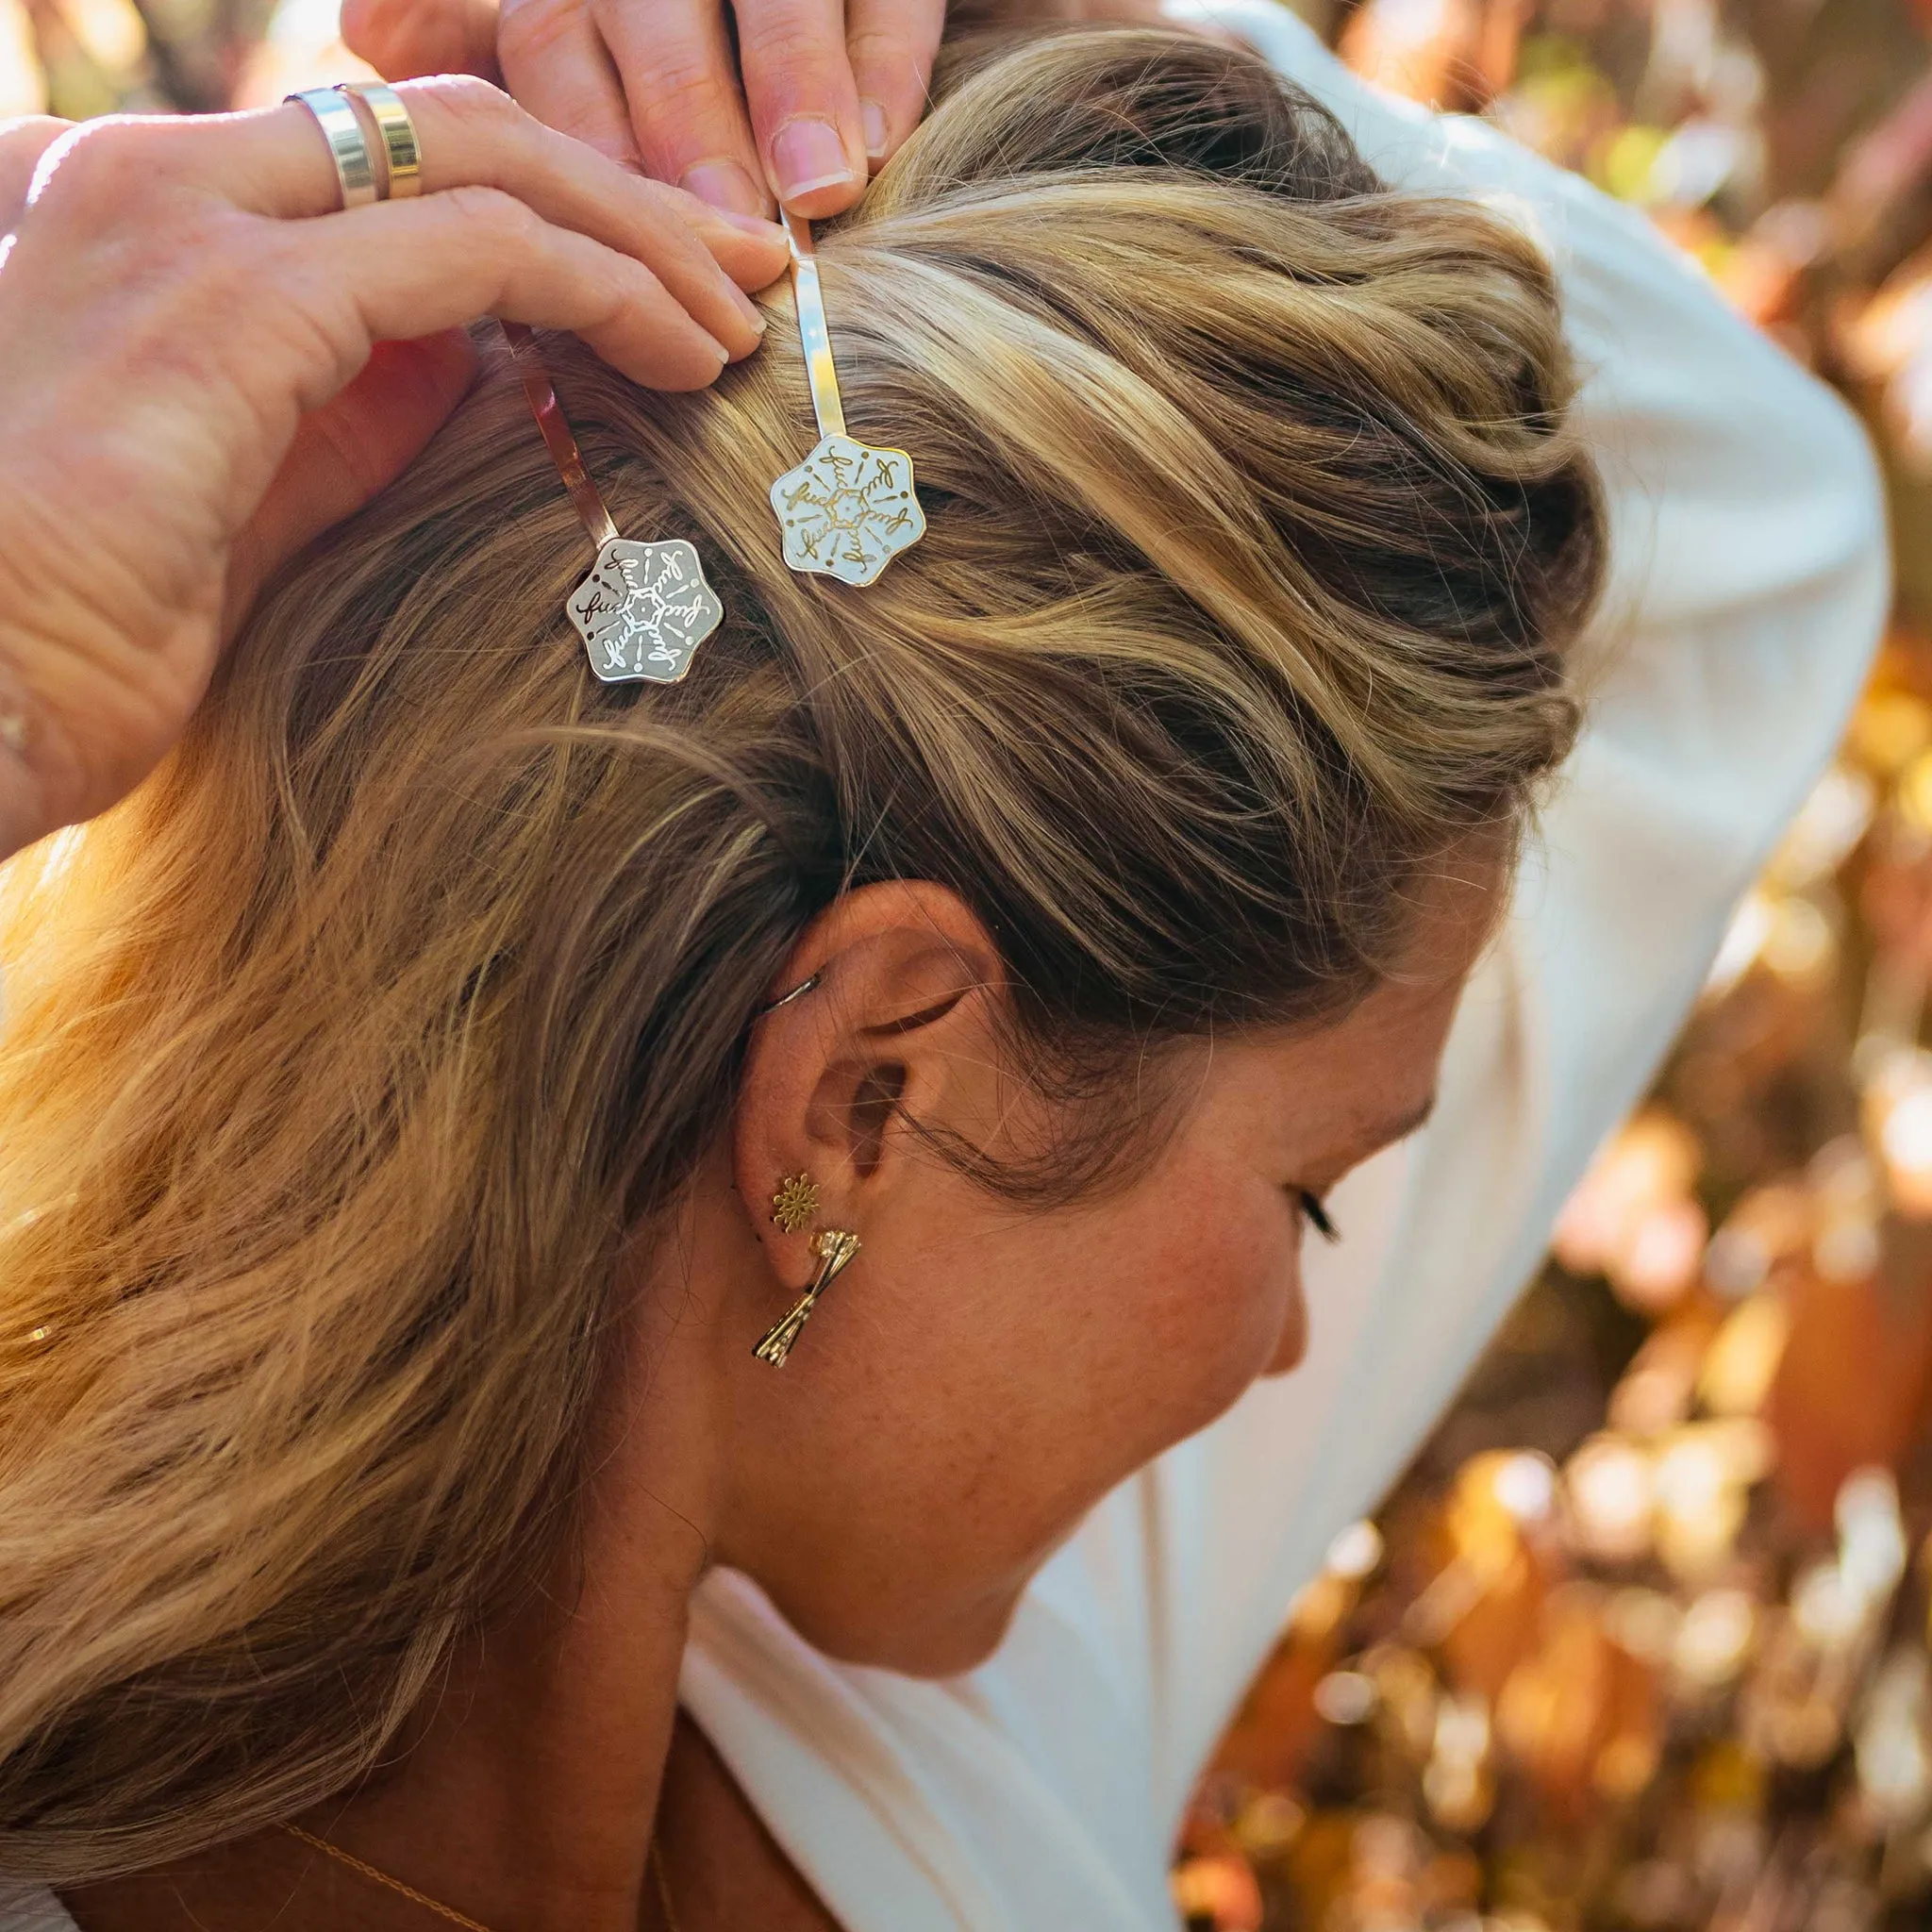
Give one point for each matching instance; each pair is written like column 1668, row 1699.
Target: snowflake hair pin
column 645, row 607
column 644, row 610
column 849, row 508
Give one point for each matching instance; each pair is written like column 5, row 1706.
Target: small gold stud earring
column 834, row 1247
column 795, row 1203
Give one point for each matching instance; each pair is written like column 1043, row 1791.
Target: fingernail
column 726, row 186
column 872, row 122
column 807, row 155
column 752, row 224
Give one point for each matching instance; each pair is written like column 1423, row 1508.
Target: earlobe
column 834, row 1247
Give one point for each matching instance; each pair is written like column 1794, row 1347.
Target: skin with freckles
column 980, row 1377
column 1016, row 1362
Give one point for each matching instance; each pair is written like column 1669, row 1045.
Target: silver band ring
column 402, row 151
column 348, row 147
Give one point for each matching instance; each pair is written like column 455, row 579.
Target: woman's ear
column 901, row 1025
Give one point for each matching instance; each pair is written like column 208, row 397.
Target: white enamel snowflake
column 848, row 510
column 644, row 610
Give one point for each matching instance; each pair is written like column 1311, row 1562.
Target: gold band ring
column 348, row 147
column 400, row 146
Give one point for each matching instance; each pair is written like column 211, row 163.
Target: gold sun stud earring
column 849, row 508
column 834, row 1247
column 795, row 1203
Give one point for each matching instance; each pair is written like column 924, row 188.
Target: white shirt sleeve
column 1749, row 580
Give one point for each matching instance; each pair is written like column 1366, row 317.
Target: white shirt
column 1042, row 1793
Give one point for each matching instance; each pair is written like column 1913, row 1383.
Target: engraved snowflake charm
column 644, row 610
column 848, row 510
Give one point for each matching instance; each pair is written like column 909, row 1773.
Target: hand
column 820, row 91
column 202, row 364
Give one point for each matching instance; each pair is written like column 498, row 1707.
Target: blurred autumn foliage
column 1639, row 1643
column 78, row 59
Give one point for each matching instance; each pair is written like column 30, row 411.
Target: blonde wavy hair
column 339, row 1060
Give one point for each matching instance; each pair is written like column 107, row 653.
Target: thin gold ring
column 401, row 148
column 348, row 146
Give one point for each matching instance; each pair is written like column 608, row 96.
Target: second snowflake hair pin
column 646, row 607
column 849, row 508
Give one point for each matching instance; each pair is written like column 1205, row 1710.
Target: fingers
column 684, row 104
column 472, row 136
column 822, row 96
column 347, row 450
column 804, row 107
column 405, row 269
column 891, row 45
column 402, row 39
column 555, row 61
column 21, row 144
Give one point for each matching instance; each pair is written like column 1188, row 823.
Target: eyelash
column 1317, row 1215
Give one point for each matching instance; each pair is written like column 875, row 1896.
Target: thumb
column 346, row 451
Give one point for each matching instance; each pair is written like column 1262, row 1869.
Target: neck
column 531, row 1787
column 524, row 1792
column 529, row 1799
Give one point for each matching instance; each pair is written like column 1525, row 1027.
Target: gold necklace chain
column 395, row 1885
column 450, row 1912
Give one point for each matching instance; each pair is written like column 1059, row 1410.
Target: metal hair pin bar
column 645, row 608
column 849, row 508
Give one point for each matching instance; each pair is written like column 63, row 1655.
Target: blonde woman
column 421, row 1095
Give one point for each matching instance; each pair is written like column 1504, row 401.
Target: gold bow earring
column 792, row 1207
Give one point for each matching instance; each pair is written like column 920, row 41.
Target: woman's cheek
column 1235, row 1303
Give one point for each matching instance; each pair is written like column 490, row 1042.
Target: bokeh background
column 1641, row 1641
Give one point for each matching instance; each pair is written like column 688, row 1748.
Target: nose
column 1292, row 1344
